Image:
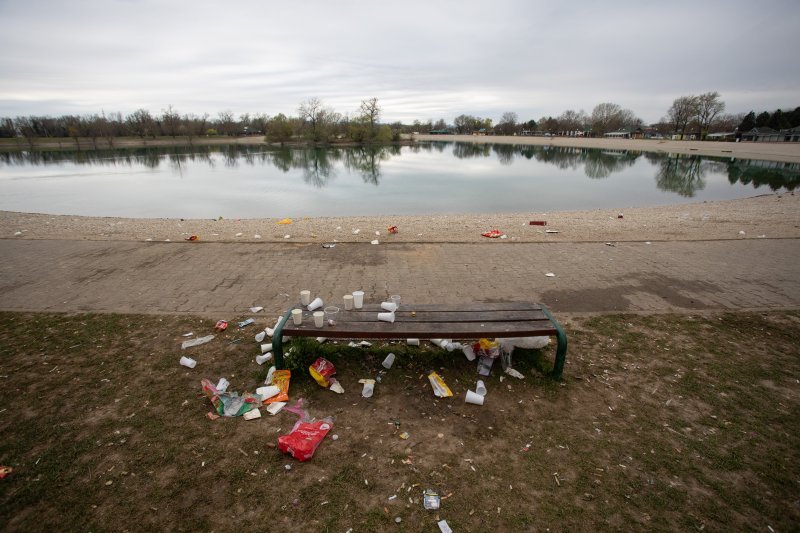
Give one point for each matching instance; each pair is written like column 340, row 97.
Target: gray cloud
column 423, row 60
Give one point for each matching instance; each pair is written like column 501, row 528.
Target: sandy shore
column 788, row 152
column 767, row 216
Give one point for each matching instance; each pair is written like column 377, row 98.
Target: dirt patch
column 662, row 422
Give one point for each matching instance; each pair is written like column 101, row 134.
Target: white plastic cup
column 271, row 371
column 474, row 398
column 305, row 297
column 319, row 318
column 395, row 299
column 480, row 388
column 261, row 359
column 316, row 304
column 386, row 317
column 388, row 362
column 389, row 306
column 358, row 299
column 260, row 336
column 369, row 388
column 222, row 385
column 270, row 332
column 297, row 316
column 266, row 347
column 348, row 302
column 412, row 342
column 469, row 352
column 188, row 362
column 268, row 392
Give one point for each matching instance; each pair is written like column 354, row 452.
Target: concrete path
column 222, row 280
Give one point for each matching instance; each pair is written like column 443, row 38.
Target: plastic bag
column 321, row 370
column 230, row 403
column 196, row 342
column 305, row 438
column 280, row 378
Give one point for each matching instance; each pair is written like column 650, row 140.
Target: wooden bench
column 475, row 321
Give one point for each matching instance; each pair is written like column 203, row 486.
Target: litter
column 252, row 415
column 256, row 309
column 5, row 471
column 473, row 398
column 287, row 236
column 245, row 323
column 369, row 387
column 388, row 362
column 316, row 304
column 514, row 373
column 221, row 325
column 192, row 238
column 619, row 215
column 305, row 438
column 444, row 527
column 404, row 435
column 392, row 229
column 610, row 244
column 256, row 236
column 538, row 222
column 188, row 362
column 266, row 347
column 469, row 352
column 550, row 275
column 261, row 336
column 268, row 391
column 321, row 371
column 356, row 231
column 280, row 379
column 329, row 245
column 229, row 403
column 493, row 234
column 275, row 408
column 188, row 334
column 412, row 342
column 431, row 499
column 212, row 416
column 485, row 365
column 261, row 359
column 285, row 221
column 336, row 386
column 480, row 388
column 321, row 339
column 196, row 342
column 375, row 242
column 386, row 317
column 440, row 388
column 550, row 231
column 238, row 235
column 222, row 385
column 270, row 375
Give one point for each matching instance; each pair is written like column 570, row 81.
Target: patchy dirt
column 662, row 422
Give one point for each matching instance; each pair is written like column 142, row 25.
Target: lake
column 238, row 181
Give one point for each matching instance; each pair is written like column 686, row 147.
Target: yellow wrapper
column 440, row 388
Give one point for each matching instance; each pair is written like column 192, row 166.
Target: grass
column 665, row 422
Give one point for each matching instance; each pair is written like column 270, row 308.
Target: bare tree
column 141, row 123
column 370, row 114
column 171, row 121
column 684, row 109
column 570, row 120
column 318, row 118
column 227, row 125
column 508, row 123
column 708, row 107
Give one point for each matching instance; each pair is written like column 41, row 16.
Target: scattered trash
column 375, row 242
column 334, row 437
column 648, row 242
column 514, row 373
column 256, row 309
column 619, row 215
column 316, row 304
column 275, row 407
column 369, row 387
column 469, row 352
column 285, row 221
column 188, row 362
column 238, row 235
column 268, row 391
column 305, row 438
column 321, row 339
column 263, row 358
column 485, row 365
column 404, row 435
column 266, row 347
column 387, row 363
column 356, row 231
column 386, row 317
column 538, row 223
column 551, row 231
column 188, row 334
column 222, row 385
column 252, row 415
column 440, row 388
column 270, row 375
column 493, row 234
column 287, row 467
column 261, row 336
column 321, row 370
column 336, row 386
column 245, row 323
column 329, row 245
column 287, row 236
column 412, row 342
column 474, row 398
column 389, row 306
column 221, row 325
column 550, row 275
column 5, row 471
column 229, row 403
column 504, row 236
column 392, row 229
column 480, row 388
column 444, row 527
column 16, row 234
column 610, row 244
column 365, row 344
column 431, row 499
column 742, row 232
column 196, row 342
column 281, row 380
column 256, row 236
column 212, row 416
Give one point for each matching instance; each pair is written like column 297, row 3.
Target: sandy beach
column 766, row 216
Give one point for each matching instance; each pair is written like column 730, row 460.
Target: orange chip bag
column 280, row 378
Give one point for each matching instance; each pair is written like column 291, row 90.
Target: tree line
column 696, row 115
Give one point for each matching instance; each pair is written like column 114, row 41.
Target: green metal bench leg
column 561, row 350
column 277, row 341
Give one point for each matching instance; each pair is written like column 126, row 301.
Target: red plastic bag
column 305, row 438
column 495, row 233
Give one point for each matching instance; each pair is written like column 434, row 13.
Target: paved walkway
column 222, row 280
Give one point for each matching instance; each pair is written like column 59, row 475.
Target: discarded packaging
column 329, row 245
column 412, row 342
column 196, row 342
column 256, row 309
column 261, row 359
column 222, row 385
column 485, row 365
column 191, row 238
column 493, row 234
column 474, row 398
column 280, row 379
column 331, row 312
column 275, row 407
column 514, row 374
column 392, row 229
column 221, row 325
column 550, row 231
column 369, row 387
column 316, row 304
column 285, row 221
column 440, row 388
column 321, row 339
column 374, row 242
column 252, row 415
column 336, row 386
column 245, row 323
column 321, row 370
column 268, row 391
column 469, row 351
column 444, row 527
column 305, row 437
column 386, row 317
column 188, row 362
column 431, row 499
column 261, row 336
column 270, row 375
column 229, row 403
column 550, row 275
column 388, row 362
column 297, row 317
column 4, row 471
column 538, row 222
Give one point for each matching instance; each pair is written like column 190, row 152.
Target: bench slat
column 416, row 330
column 366, row 317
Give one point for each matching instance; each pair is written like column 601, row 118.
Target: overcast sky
column 422, row 59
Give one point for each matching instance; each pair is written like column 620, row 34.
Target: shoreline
column 766, row 216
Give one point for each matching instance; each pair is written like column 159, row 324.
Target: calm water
column 435, row 178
